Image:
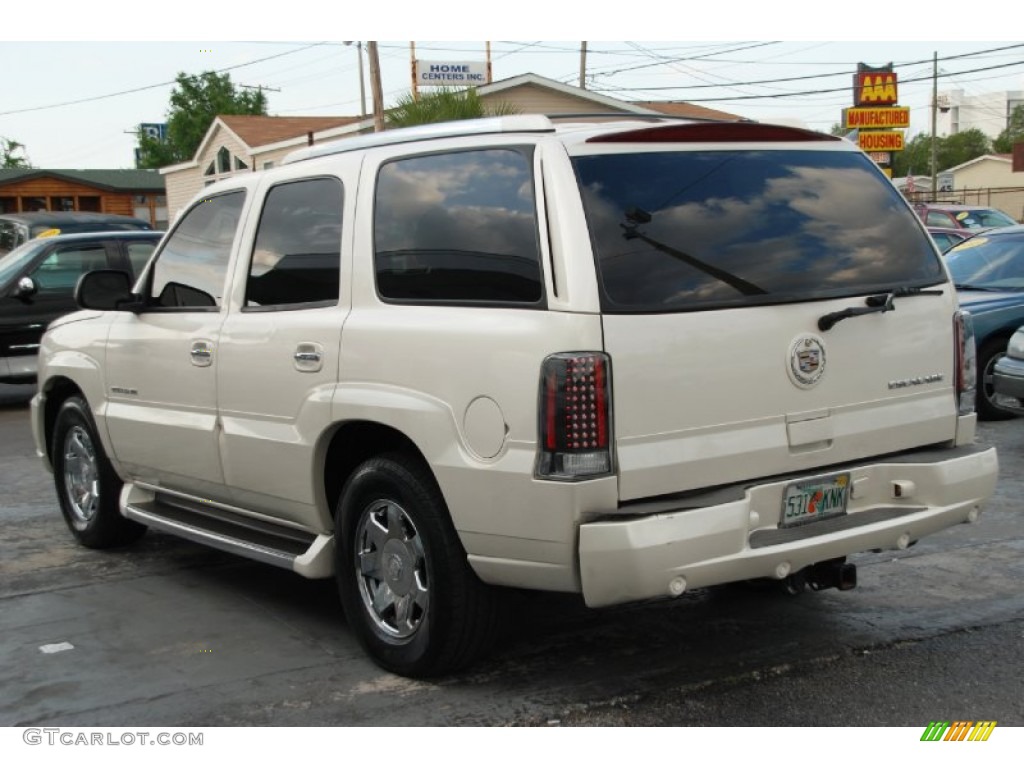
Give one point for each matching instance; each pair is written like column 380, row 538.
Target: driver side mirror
column 25, row 288
column 105, row 289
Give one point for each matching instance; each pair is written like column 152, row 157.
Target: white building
column 989, row 112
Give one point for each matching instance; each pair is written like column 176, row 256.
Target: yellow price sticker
column 49, row 233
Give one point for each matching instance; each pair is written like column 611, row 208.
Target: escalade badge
column 806, row 360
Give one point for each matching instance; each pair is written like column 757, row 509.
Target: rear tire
column 87, row 486
column 416, row 606
column 988, row 354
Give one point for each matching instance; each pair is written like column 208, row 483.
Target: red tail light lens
column 575, row 418
column 965, row 368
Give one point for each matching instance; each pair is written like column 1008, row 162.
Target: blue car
column 988, row 271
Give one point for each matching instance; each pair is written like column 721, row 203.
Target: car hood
column 987, row 301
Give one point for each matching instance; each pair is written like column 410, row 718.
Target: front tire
column 988, row 355
column 87, row 486
column 409, row 594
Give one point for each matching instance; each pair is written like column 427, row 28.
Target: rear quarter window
column 676, row 231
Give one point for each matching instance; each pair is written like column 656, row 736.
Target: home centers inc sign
column 451, row 73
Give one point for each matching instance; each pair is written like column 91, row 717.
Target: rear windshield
column 675, row 231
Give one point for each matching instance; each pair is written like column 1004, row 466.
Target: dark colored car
column 947, row 237
column 953, row 216
column 19, row 228
column 988, row 271
column 37, row 283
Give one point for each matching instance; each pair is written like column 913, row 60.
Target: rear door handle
column 309, row 357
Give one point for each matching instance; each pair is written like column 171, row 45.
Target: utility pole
column 362, row 86
column 412, row 70
column 376, row 91
column 489, row 71
column 583, row 65
column 935, row 113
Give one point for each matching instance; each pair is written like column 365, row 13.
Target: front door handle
column 202, row 353
column 309, row 357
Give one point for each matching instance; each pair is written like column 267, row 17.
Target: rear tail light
column 575, row 416
column 966, row 362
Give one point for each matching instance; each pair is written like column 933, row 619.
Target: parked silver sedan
column 1008, row 376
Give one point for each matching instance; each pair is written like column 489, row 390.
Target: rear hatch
column 717, row 262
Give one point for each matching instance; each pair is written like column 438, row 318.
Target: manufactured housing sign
column 454, row 73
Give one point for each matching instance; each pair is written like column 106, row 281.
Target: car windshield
column 983, row 219
column 988, row 262
column 15, row 261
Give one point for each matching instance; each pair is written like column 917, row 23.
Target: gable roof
column 672, row 108
column 686, row 109
column 117, row 180
column 258, row 130
column 1008, row 159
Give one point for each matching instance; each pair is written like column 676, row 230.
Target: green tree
column 1012, row 134
column 963, row 146
column 195, row 101
column 916, row 159
column 440, row 106
column 12, row 154
column 950, row 151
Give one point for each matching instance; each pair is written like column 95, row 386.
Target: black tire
column 988, row 354
column 406, row 587
column 87, row 486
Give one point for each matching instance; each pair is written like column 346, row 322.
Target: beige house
column 246, row 143
column 990, row 180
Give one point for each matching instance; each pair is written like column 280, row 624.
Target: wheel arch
column 56, row 391
column 351, row 443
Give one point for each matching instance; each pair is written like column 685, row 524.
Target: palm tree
column 442, row 105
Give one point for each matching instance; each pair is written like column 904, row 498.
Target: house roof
column 258, row 130
column 118, row 180
column 686, row 109
column 998, row 158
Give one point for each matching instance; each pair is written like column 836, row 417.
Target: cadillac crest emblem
column 806, row 360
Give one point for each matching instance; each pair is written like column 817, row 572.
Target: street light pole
column 935, row 113
column 362, row 85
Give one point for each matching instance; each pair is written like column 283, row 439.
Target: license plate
column 815, row 499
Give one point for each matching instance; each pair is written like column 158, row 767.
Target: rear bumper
column 664, row 555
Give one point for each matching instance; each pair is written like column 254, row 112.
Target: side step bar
column 305, row 553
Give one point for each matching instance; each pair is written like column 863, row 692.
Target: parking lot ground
column 169, row 633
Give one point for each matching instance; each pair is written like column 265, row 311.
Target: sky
column 121, row 73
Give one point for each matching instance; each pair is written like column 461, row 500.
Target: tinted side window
column 676, row 231
column 458, row 227
column 59, row 271
column 297, row 255
column 191, row 269
column 138, row 254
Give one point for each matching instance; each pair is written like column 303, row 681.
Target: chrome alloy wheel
column 391, row 569
column 81, row 475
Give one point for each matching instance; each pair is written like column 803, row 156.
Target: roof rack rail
column 454, row 128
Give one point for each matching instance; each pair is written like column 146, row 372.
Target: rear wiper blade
column 882, row 302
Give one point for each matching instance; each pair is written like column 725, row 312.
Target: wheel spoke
column 383, row 598
column 395, row 527
column 369, row 564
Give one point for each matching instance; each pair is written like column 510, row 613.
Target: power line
column 151, row 87
column 814, row 92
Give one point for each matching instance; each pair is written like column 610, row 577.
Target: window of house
column 223, row 160
column 296, row 259
column 90, row 203
column 239, row 165
column 191, row 268
column 458, row 227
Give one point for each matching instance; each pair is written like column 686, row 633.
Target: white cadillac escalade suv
column 621, row 359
